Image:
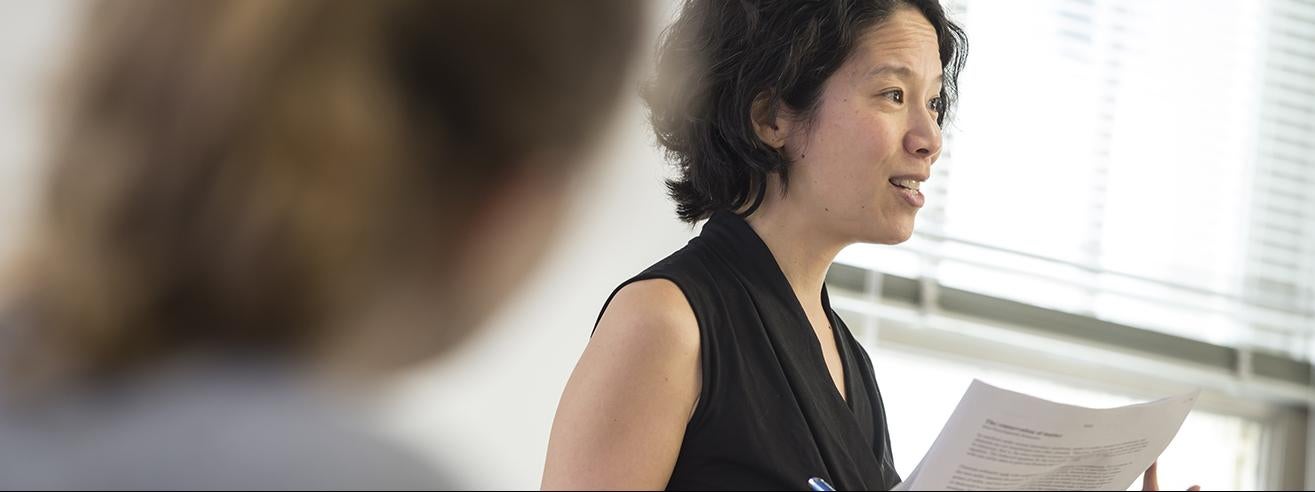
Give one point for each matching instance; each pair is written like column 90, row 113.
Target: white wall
column 33, row 36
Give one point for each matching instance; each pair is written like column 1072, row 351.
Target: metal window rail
column 1295, row 327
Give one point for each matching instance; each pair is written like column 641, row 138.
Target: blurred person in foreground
column 258, row 210
column 798, row 128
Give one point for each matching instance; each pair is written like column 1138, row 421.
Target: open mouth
column 906, row 183
column 908, row 189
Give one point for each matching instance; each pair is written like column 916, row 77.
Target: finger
column 1149, row 481
column 1194, row 488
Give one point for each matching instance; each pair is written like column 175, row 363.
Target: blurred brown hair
column 240, row 174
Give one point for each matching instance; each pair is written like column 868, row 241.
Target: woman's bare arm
column 623, row 414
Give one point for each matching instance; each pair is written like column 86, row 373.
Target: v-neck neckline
column 758, row 259
column 841, row 351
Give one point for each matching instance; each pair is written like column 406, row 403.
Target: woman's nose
column 923, row 138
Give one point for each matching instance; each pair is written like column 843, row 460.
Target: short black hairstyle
column 720, row 55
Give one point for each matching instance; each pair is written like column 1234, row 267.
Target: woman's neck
column 802, row 250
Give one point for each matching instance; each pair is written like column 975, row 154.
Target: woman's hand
column 1150, row 482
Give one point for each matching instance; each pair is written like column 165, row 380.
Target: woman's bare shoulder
column 623, row 414
column 651, row 308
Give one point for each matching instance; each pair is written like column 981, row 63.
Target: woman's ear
column 771, row 124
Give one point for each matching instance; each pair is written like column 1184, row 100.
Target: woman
column 799, row 128
column 258, row 211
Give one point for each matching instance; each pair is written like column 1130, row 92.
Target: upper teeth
column 906, row 183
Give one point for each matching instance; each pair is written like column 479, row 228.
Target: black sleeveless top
column 769, row 416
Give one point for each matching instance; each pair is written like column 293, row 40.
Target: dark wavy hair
column 720, row 55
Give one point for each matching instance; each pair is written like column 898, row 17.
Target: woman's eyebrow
column 900, row 71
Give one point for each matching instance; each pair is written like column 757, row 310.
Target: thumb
column 1149, row 481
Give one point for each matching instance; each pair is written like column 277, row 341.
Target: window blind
column 1142, row 162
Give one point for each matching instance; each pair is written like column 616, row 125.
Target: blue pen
column 820, row 485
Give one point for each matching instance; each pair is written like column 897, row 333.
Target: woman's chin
column 890, row 235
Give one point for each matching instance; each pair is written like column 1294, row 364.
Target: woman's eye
column 936, row 104
column 896, row 96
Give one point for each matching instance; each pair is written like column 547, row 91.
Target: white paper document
column 1002, row 440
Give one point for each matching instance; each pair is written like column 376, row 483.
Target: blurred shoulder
column 225, row 426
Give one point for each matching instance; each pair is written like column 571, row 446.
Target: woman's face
column 857, row 167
